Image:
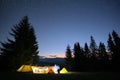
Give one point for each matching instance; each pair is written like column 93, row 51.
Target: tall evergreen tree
column 69, row 59
column 86, row 50
column 116, row 54
column 77, row 51
column 111, row 45
column 23, row 48
column 77, row 55
column 93, row 45
column 114, row 47
column 105, row 59
column 94, row 51
column 116, row 40
column 102, row 51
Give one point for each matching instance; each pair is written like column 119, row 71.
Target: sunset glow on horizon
column 53, row 55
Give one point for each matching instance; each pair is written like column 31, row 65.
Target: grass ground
column 69, row 76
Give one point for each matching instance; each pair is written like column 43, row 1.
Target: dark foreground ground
column 69, row 76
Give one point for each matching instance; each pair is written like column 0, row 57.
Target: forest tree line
column 93, row 57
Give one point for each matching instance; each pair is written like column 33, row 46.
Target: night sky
column 58, row 23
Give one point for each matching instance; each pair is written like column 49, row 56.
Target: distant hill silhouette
column 52, row 61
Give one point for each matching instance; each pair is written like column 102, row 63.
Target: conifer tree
column 69, row 59
column 23, row 48
column 111, row 45
column 93, row 45
column 116, row 40
column 114, row 48
column 77, row 56
column 86, row 50
column 102, row 51
column 94, row 51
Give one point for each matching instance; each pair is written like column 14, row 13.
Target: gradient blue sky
column 58, row 23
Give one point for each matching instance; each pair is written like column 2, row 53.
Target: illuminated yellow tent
column 63, row 70
column 25, row 68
